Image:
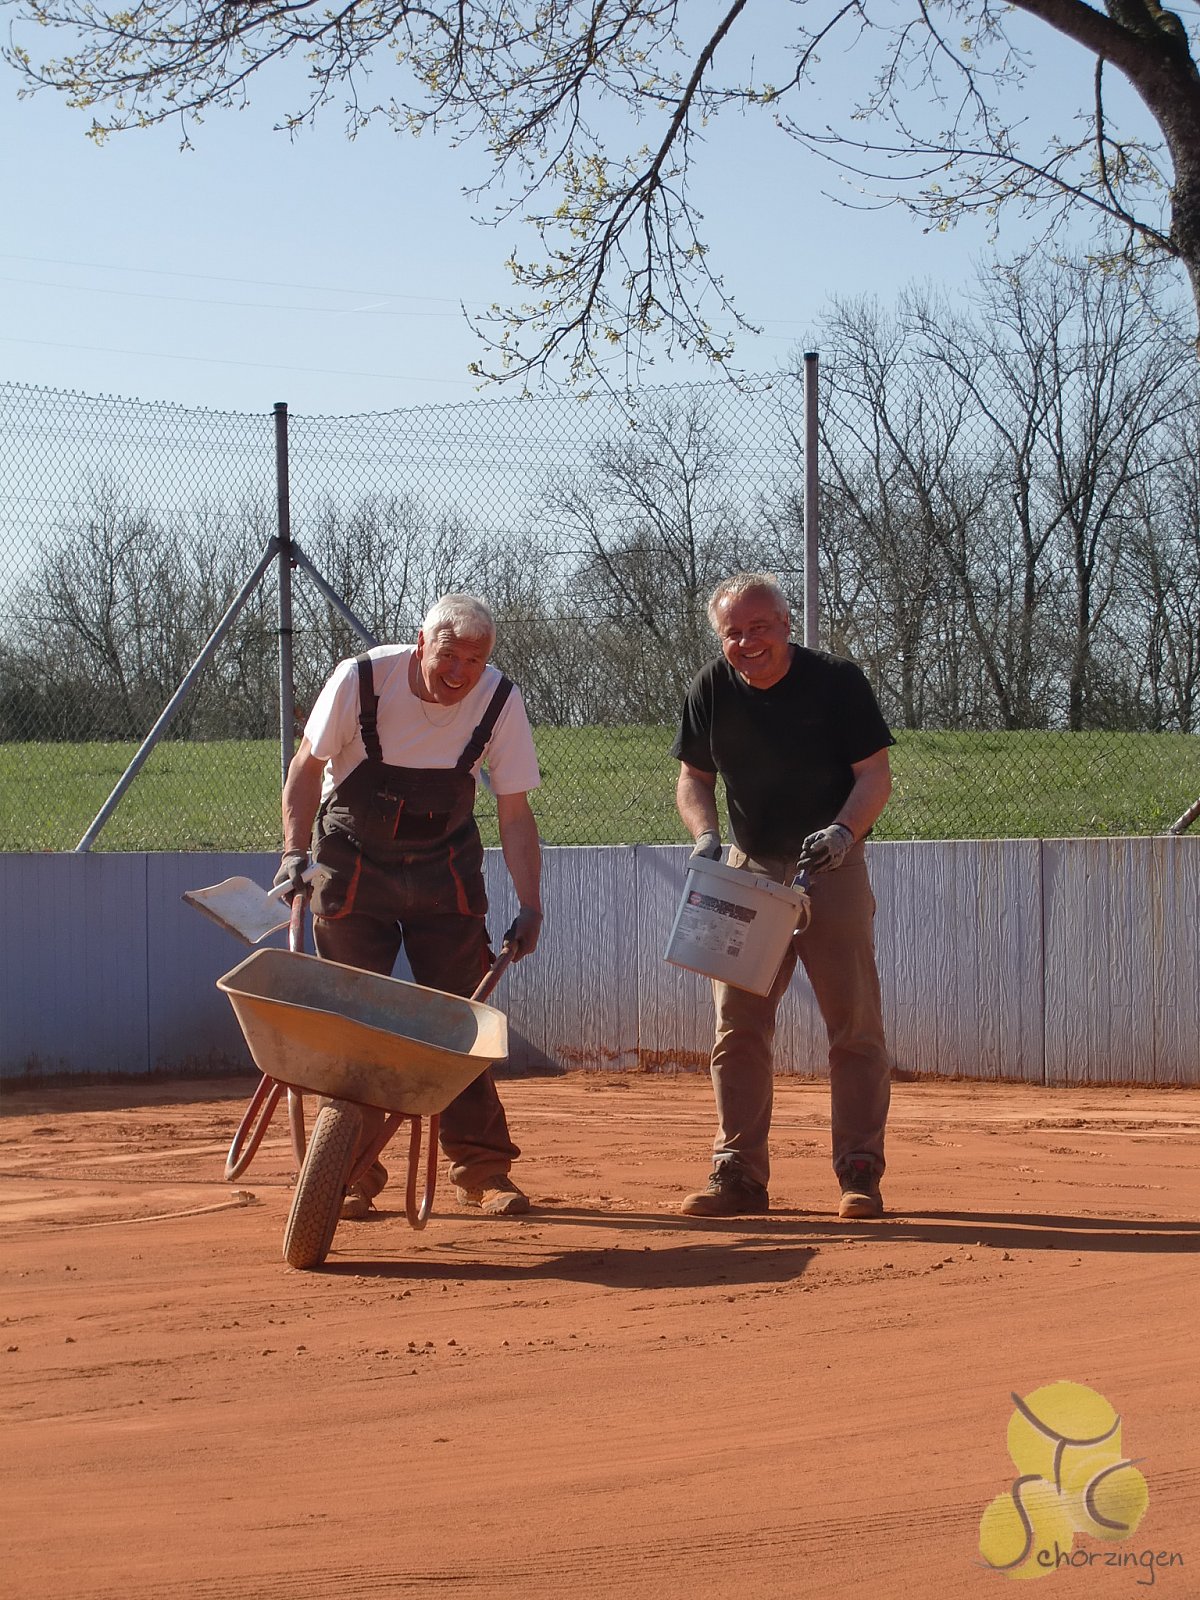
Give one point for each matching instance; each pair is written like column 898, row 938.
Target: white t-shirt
column 414, row 733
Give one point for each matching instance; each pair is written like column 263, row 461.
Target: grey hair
column 747, row 583
column 466, row 616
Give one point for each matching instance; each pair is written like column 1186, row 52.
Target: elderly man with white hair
column 383, row 790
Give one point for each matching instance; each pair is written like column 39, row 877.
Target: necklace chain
column 447, row 713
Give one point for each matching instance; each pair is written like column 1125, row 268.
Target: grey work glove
column 707, row 847
column 523, row 935
column 292, row 868
column 824, row 850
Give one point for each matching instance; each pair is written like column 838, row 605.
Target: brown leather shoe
column 498, row 1196
column 861, row 1199
column 729, row 1194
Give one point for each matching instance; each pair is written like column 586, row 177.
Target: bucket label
column 698, row 923
column 723, row 908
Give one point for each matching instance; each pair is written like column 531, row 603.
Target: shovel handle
column 280, row 889
column 495, row 973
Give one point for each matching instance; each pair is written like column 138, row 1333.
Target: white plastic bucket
column 734, row 925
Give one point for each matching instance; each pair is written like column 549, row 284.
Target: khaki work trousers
column 837, row 950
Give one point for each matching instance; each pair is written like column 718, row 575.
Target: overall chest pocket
column 407, row 819
column 389, row 809
column 416, row 807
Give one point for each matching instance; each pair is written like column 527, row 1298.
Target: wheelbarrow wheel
column 321, row 1185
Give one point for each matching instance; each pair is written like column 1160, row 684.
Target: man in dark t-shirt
column 801, row 745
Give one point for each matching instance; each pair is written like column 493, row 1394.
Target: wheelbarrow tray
column 334, row 1030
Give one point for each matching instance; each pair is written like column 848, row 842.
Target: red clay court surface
column 603, row 1398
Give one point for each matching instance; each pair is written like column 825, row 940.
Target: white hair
column 747, row 583
column 466, row 616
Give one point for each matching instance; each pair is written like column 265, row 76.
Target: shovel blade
column 241, row 908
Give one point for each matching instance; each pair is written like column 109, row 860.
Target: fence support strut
column 299, row 559
column 185, row 688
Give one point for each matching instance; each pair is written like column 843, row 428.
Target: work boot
column 861, row 1198
column 357, row 1204
column 730, row 1193
column 498, row 1196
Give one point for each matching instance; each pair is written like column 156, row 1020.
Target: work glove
column 523, row 935
column 707, row 847
column 292, row 868
column 824, row 850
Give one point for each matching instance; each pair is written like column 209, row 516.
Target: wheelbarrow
column 358, row 1040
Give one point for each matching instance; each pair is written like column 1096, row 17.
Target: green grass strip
column 613, row 786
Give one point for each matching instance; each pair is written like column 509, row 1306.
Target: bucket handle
column 800, row 882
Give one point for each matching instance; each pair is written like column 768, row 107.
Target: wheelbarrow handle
column 296, row 925
column 495, row 973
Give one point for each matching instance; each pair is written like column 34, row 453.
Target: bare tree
column 388, row 557
column 592, row 113
column 543, row 641
column 650, row 525
column 1116, row 380
column 1156, row 621
column 1007, row 448
column 114, row 612
column 905, row 470
column 1073, row 373
column 121, row 604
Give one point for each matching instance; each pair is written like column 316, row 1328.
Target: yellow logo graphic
column 1072, row 1477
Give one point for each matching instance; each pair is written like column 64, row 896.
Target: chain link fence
column 596, row 528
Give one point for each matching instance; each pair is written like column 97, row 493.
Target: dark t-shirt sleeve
column 864, row 730
column 693, row 741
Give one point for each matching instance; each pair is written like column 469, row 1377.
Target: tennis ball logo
column 1073, row 1477
column 1110, row 1504
column 1019, row 1530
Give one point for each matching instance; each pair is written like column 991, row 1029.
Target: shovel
column 242, row 908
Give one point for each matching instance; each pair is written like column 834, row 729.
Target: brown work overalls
column 402, row 864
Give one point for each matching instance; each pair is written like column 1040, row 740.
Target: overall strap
column 368, row 708
column 478, row 740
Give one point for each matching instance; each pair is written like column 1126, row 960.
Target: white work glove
column 707, row 847
column 291, row 871
column 824, row 850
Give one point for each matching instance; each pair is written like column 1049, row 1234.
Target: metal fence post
column 287, row 696
column 811, row 511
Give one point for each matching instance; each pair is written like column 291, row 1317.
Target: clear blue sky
column 329, row 274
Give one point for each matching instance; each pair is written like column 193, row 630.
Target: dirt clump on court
column 604, row 1397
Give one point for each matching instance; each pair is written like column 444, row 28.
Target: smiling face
column 753, row 629
column 449, row 665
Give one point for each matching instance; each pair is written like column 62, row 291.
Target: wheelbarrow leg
column 418, row 1215
column 266, row 1097
column 250, row 1131
column 296, row 1125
